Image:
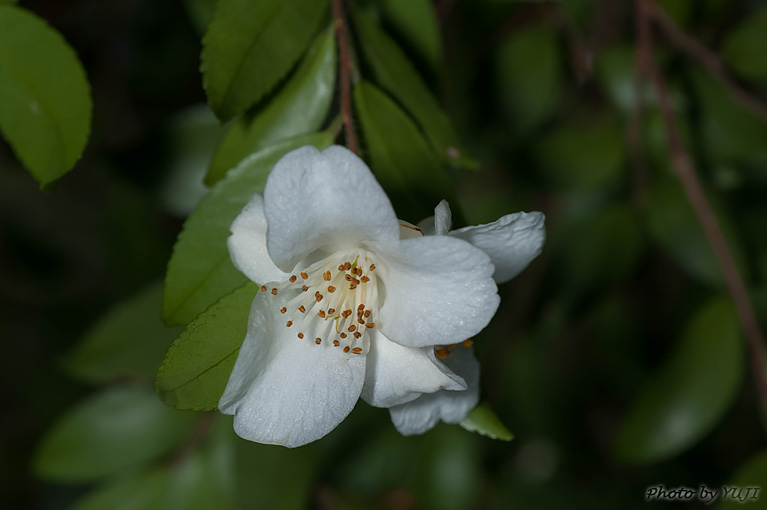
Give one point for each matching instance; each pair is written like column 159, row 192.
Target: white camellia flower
column 512, row 242
column 355, row 303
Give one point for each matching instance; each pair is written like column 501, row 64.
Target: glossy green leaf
column 482, row 420
column 416, row 21
column 751, row 475
column 195, row 369
column 730, row 132
column 127, row 342
column 529, row 77
column 298, row 108
column 743, row 48
column 400, row 158
column 672, row 223
column 45, row 112
column 110, row 432
column 397, row 75
column 583, row 156
column 200, row 271
column 691, row 391
column 250, row 46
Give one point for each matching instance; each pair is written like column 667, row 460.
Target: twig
column 646, row 10
column 705, row 57
column 344, row 65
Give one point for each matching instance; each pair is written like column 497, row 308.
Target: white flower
column 512, row 242
column 352, row 304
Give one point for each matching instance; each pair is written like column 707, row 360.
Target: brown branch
column 705, row 57
column 646, row 11
column 344, row 66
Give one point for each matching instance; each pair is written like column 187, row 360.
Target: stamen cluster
column 336, row 303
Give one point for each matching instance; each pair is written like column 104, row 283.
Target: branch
column 344, row 66
column 646, row 11
column 705, row 57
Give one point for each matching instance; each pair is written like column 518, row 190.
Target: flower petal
column 512, row 242
column 439, row 224
column 247, row 244
column 285, row 390
column 421, row 414
column 396, row 374
column 324, row 200
column 438, row 290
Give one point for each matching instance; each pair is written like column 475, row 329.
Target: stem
column 646, row 10
column 705, row 57
column 344, row 66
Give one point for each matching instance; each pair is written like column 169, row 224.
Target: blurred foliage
column 615, row 358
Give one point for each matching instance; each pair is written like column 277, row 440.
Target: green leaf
column 397, row 75
column 200, row 12
column 582, row 156
column 298, row 108
column 143, row 491
column 45, row 113
column 750, row 475
column 529, row 77
column 730, row 132
column 108, row 433
column 743, row 48
column 195, row 369
column 672, row 223
column 278, row 478
column 192, row 135
column 416, row 21
column 402, row 161
column 250, row 46
column 127, row 342
column 200, row 271
column 690, row 393
column 196, row 480
column 482, row 420
column 598, row 250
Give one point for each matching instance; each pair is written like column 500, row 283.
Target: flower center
column 337, row 301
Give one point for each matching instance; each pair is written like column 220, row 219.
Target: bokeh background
column 621, row 322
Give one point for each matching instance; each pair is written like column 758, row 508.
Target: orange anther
column 346, row 349
column 292, row 279
column 263, row 288
column 304, row 276
column 318, row 341
column 357, row 350
column 300, row 335
column 441, row 353
column 331, row 289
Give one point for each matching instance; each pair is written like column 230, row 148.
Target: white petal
column 324, row 200
column 247, row 244
column 285, row 390
column 396, row 374
column 438, row 290
column 439, row 224
column 421, row 414
column 512, row 242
